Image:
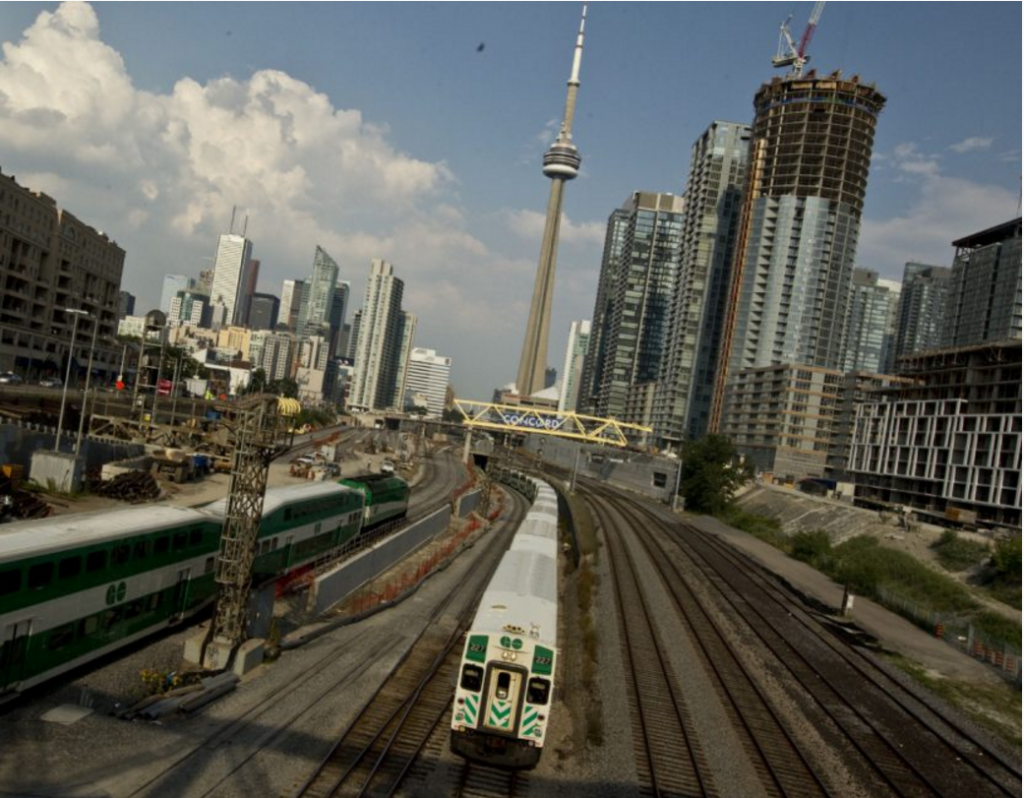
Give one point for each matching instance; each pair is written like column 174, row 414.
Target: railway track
column 907, row 746
column 375, row 753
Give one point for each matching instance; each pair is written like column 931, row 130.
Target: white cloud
column 972, row 143
column 530, row 225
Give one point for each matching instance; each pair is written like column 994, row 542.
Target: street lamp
column 85, row 393
column 67, row 374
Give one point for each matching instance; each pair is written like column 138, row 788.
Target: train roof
column 275, row 498
column 523, row 592
column 60, row 532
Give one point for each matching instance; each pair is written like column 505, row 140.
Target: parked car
column 50, row 382
column 9, row 378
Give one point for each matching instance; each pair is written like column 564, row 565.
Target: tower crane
column 790, row 53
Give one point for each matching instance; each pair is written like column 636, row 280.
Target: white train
column 505, row 691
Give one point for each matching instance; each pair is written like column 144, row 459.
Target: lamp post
column 67, row 375
column 85, row 393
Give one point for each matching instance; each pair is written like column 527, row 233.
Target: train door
column 503, row 699
column 13, row 646
column 181, row 594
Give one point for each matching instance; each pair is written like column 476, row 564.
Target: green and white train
column 74, row 588
column 504, row 696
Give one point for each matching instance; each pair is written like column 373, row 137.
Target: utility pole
column 575, row 469
column 67, row 375
column 85, row 393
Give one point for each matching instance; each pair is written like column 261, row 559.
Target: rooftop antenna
column 231, row 231
column 245, row 226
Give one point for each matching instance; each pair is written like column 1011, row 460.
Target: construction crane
column 790, row 53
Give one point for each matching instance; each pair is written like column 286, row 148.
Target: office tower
column 921, row 310
column 125, row 304
column 291, row 300
column 233, row 256
column 985, row 289
column 550, row 377
column 572, row 369
column 379, row 345
column 561, row 163
column 274, row 352
column 173, row 283
column 336, row 316
column 428, row 375
column 313, row 372
column 644, row 283
column 246, row 290
column 264, row 311
column 593, row 364
column 871, row 323
column 810, row 151
column 189, row 309
column 51, row 261
column 406, row 335
column 713, row 202
column 353, row 336
column 317, row 296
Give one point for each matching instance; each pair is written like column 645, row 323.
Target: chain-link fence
column 958, row 632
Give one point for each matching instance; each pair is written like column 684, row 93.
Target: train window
column 180, row 539
column 135, row 609
column 163, row 545
column 88, row 626
column 61, row 636
column 140, row 550
column 10, row 581
column 195, row 537
column 472, row 678
column 95, row 561
column 504, row 683
column 40, row 575
column 154, row 600
column 208, row 568
column 538, row 691
column 69, row 567
column 119, row 554
column 112, row 617
column 288, row 514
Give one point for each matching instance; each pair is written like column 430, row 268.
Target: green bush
column 1006, row 558
column 760, row 526
column 812, row 547
column 957, row 554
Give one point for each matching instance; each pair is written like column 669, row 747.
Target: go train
column 74, row 588
column 505, row 691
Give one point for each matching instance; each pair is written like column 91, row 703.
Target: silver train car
column 504, row 695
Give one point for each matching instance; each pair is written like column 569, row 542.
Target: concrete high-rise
column 870, row 338
column 810, row 152
column 317, row 297
column 336, row 316
column 428, row 374
column 561, row 163
column 173, row 283
column 713, row 201
column 229, row 271
column 291, row 300
column 922, row 308
column 382, row 333
column 644, row 283
column 985, row 291
column 572, row 369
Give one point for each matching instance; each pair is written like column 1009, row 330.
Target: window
column 163, row 545
column 88, row 626
column 10, row 581
column 39, row 576
column 95, row 561
column 208, row 568
column 69, row 568
column 140, row 550
column 180, row 539
column 119, row 554
column 61, row 636
column 195, row 537
column 472, row 678
column 538, row 691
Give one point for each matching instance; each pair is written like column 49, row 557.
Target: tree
column 710, row 474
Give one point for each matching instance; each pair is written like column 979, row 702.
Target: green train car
column 74, row 588
column 387, row 497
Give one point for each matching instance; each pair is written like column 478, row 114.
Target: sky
column 414, row 132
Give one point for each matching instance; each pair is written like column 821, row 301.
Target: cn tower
column 561, row 163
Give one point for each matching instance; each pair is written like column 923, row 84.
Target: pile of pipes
column 185, row 700
column 132, row 486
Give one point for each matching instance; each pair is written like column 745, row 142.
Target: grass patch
column 760, row 526
column 995, row 708
column 959, row 554
column 586, row 586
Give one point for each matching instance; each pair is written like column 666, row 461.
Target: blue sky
column 384, row 130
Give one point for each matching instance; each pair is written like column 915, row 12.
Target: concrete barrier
column 337, row 585
column 468, row 503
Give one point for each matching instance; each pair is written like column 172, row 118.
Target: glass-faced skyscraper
column 870, row 339
column 229, row 272
column 810, row 151
column 317, row 297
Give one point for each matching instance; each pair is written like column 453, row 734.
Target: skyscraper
column 233, row 255
column 572, row 369
column 382, row 332
column 985, row 292
column 810, row 152
column 644, row 283
column 264, row 311
column 428, row 375
column 713, row 201
column 921, row 310
column 561, row 163
column 870, row 338
column 173, row 283
column 317, row 296
column 291, row 299
column 336, row 316
column 246, row 290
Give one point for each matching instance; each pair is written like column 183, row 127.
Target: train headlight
column 460, row 716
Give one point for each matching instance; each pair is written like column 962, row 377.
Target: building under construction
column 810, row 152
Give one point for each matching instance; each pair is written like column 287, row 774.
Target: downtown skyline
column 431, row 157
